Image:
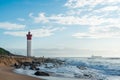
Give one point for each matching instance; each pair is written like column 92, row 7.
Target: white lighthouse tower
column 29, row 38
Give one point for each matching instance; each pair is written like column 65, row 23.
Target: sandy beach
column 6, row 73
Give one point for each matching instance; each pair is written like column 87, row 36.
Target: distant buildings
column 96, row 57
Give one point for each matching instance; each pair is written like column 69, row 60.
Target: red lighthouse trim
column 29, row 36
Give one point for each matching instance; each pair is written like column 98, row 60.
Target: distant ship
column 95, row 57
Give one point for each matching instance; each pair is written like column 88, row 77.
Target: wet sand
column 6, row 73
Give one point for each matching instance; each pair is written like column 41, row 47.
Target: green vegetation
column 4, row 52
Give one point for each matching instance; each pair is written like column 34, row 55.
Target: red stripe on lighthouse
column 29, row 36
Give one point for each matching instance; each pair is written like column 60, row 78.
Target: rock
column 32, row 67
column 36, row 63
column 39, row 73
column 87, row 75
column 37, row 69
column 16, row 65
column 26, row 63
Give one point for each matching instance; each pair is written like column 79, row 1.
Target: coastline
column 6, row 73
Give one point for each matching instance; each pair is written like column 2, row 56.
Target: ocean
column 77, row 68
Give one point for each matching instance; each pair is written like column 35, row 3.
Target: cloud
column 97, row 35
column 42, row 32
column 102, row 17
column 83, row 3
column 41, row 18
column 100, row 32
column 31, row 14
column 68, row 20
column 89, row 3
column 17, row 33
column 82, row 16
column 99, row 15
column 11, row 26
column 110, row 8
column 20, row 19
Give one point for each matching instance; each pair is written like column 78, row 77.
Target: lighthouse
column 29, row 38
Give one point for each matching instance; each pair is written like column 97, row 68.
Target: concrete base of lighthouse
column 28, row 48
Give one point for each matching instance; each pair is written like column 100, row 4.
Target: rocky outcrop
column 13, row 60
column 7, row 58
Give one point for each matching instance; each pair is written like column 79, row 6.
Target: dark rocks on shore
column 37, row 69
column 16, row 65
column 39, row 73
column 23, row 65
column 55, row 61
column 26, row 63
column 32, row 67
column 88, row 75
column 36, row 63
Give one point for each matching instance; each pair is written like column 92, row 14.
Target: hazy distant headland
column 65, row 52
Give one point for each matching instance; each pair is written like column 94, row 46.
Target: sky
column 61, row 27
